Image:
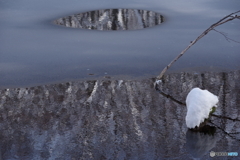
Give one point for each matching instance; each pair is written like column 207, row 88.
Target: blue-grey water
column 33, row 50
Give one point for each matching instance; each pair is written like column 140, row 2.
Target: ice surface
column 199, row 103
column 68, row 53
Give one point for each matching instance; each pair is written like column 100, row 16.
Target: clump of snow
column 199, row 104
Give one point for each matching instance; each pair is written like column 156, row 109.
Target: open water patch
column 112, row 19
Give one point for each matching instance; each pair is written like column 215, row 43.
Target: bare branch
column 224, row 117
column 229, row 134
column 225, row 19
column 225, row 36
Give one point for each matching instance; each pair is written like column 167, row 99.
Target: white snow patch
column 199, row 103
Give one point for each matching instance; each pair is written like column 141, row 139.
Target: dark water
column 112, row 19
column 117, row 119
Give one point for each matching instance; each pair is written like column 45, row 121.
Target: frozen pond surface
column 35, row 51
column 117, row 119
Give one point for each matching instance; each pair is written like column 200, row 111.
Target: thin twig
column 229, row 134
column 170, row 97
column 225, row 36
column 224, row 117
column 225, row 19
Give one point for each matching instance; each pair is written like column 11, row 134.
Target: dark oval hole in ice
column 112, row 19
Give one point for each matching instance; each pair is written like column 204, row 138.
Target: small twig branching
column 224, row 117
column 225, row 19
column 229, row 134
column 225, row 35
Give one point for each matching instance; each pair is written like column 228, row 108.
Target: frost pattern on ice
column 199, row 103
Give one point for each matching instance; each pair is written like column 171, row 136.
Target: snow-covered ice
column 199, row 104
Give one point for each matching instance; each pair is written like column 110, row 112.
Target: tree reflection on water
column 112, row 19
column 116, row 119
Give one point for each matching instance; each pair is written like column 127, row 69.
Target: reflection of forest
column 112, row 19
column 115, row 119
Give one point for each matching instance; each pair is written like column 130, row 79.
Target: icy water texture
column 112, row 19
column 117, row 119
column 33, row 50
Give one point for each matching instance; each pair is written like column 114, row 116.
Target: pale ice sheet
column 72, row 54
